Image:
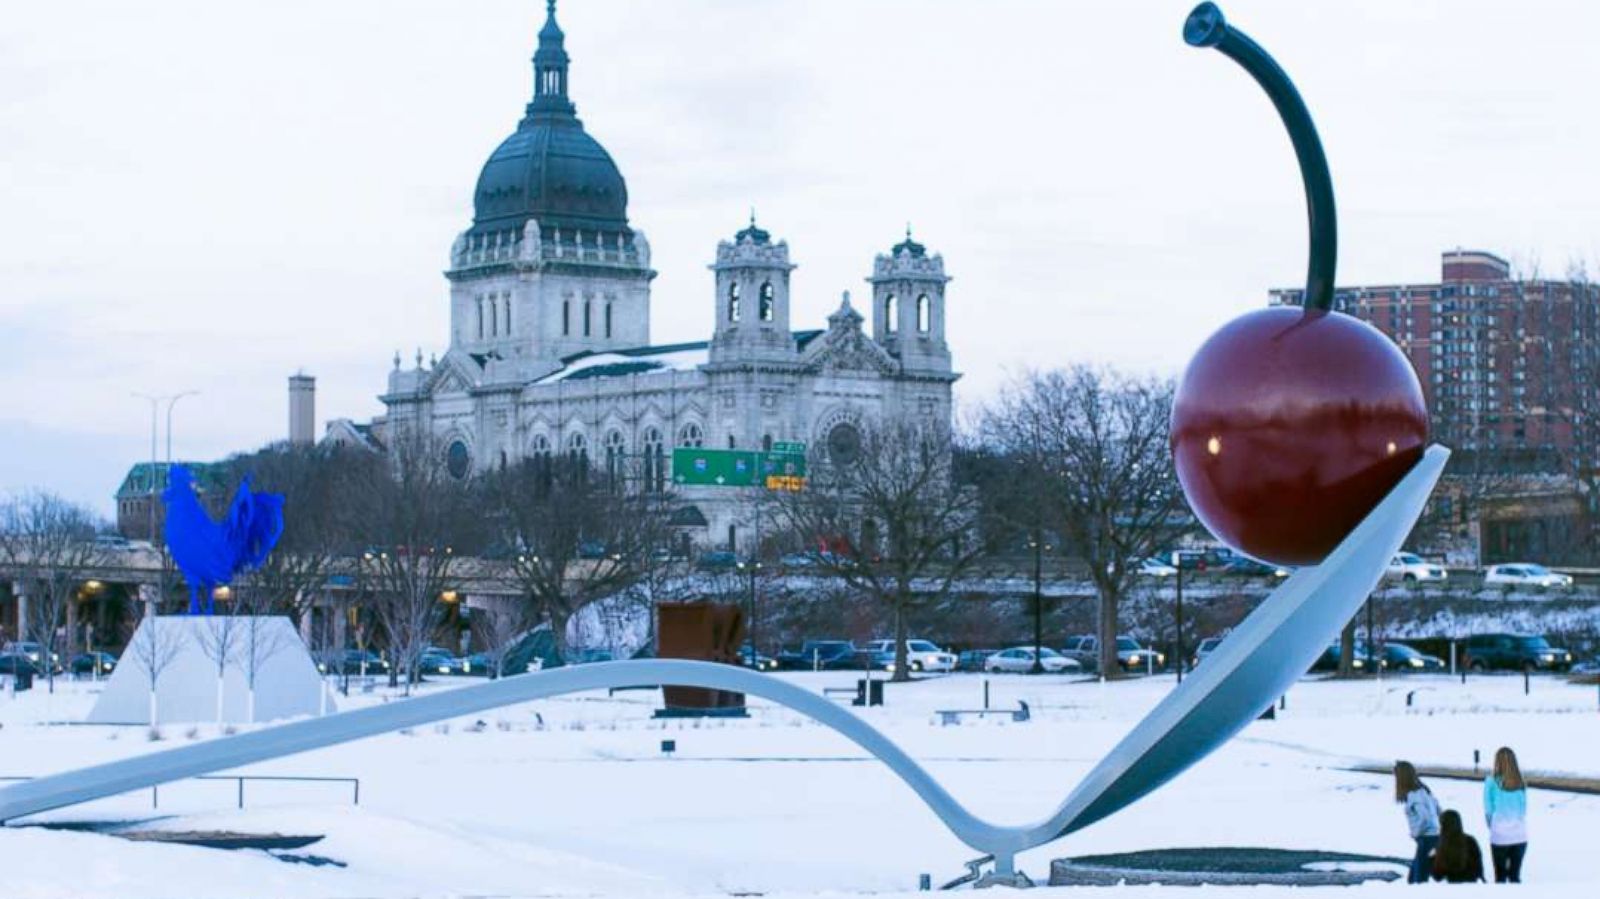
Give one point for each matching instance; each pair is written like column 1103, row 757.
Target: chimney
column 302, row 409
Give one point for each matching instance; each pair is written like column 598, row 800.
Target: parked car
column 438, row 661
column 357, row 661
column 1019, row 660
column 1516, row 652
column 826, row 655
column 1526, row 574
column 973, row 659
column 1591, row 666
column 1246, row 567
column 1402, row 659
column 93, row 663
column 1155, row 568
column 1201, row 559
column 752, row 659
column 479, row 664
column 921, row 655
column 1364, row 658
column 17, row 663
column 1206, row 648
column 34, row 652
column 1131, row 657
column 717, row 560
column 1411, row 568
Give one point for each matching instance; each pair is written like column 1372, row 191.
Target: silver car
column 1019, row 660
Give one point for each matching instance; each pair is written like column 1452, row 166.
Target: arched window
column 480, row 318
column 539, row 457
column 733, row 302
column 494, row 317
column 614, row 460
column 732, row 444
column 578, row 455
column 765, row 307
column 457, row 460
column 890, row 315
column 566, row 318
column 608, row 319
column 766, row 443
column 691, row 435
column 922, row 313
column 655, row 458
column 588, row 309
column 506, row 298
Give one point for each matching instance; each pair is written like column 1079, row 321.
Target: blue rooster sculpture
column 211, row 553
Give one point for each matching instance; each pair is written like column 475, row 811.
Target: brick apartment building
column 1510, row 368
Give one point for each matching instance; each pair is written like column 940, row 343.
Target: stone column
column 70, row 645
column 19, row 589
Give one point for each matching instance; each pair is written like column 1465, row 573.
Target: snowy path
column 587, row 804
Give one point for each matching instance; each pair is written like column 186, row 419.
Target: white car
column 1019, row 660
column 921, row 655
column 1413, row 569
column 1154, row 568
column 1525, row 574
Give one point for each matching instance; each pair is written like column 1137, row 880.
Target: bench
column 954, row 716
column 839, row 691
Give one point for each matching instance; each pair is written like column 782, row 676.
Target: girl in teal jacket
column 1505, row 808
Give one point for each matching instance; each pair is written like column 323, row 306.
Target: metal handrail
column 155, row 796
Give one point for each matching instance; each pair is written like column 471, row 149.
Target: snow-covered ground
column 573, row 796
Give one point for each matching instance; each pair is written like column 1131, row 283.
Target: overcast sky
column 212, row 195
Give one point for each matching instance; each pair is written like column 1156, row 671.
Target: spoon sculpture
column 1255, row 665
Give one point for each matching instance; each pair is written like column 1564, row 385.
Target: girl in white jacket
column 1422, row 818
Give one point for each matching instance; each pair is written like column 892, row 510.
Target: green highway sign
column 695, row 466
column 788, row 446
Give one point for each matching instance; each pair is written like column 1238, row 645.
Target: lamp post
column 1177, row 562
column 1039, row 547
column 173, row 401
column 155, row 400
column 751, row 568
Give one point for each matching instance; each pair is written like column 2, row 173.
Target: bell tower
column 908, row 306
column 752, row 299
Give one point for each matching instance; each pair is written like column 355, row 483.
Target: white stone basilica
column 550, row 333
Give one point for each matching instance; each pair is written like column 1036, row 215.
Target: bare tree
column 219, row 640
column 412, row 518
column 573, row 536
column 1094, row 445
column 497, row 627
column 50, row 543
column 155, row 647
column 885, row 515
column 319, row 485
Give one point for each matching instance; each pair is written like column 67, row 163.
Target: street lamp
column 1039, row 547
column 155, row 400
column 751, row 567
column 1177, row 562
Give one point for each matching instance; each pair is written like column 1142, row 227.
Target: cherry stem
column 1206, row 27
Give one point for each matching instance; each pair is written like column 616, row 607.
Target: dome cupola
column 550, row 170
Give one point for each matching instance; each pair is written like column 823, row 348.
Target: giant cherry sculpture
column 1290, row 425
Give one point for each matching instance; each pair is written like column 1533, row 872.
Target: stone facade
column 550, row 349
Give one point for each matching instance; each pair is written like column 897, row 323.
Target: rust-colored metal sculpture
column 705, row 632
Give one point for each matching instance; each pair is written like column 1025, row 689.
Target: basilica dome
column 550, row 169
